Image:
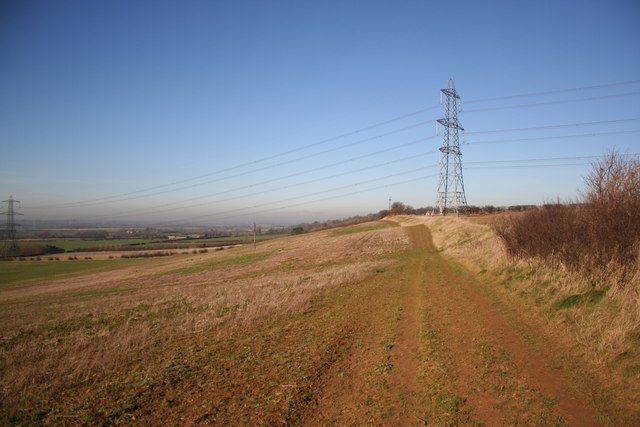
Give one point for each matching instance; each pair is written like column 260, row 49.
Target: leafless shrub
column 592, row 236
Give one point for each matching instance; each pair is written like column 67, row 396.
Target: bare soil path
column 404, row 355
column 436, row 351
column 504, row 379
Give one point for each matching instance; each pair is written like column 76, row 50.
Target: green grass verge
column 221, row 263
column 360, row 228
column 591, row 297
column 20, row 271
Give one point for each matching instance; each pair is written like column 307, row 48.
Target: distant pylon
column 451, row 185
column 10, row 239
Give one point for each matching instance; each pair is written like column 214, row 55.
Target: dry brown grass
column 63, row 338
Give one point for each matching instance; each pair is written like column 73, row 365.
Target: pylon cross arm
column 451, row 92
column 450, row 123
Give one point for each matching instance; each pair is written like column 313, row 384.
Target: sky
column 104, row 106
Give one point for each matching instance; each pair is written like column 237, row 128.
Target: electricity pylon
column 10, row 241
column 451, row 185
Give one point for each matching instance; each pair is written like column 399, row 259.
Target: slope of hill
column 363, row 324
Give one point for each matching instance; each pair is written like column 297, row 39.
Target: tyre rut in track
column 435, row 350
column 498, row 375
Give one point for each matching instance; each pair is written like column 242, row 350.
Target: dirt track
column 452, row 358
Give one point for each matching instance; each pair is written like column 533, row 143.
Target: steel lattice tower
column 11, row 241
column 451, row 185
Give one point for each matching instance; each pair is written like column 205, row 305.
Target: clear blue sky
column 102, row 98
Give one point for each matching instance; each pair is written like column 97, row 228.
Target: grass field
column 366, row 324
column 212, row 265
column 15, row 271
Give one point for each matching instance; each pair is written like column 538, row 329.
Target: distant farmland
column 79, row 244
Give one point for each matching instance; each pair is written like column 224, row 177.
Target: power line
column 364, row 191
column 307, row 202
column 565, row 101
column 391, row 176
column 284, row 153
column 304, row 172
column 153, row 209
column 371, row 189
column 334, row 138
column 557, row 126
column 547, row 159
column 422, row 140
column 180, row 204
column 297, row 159
column 336, row 188
column 549, row 138
column 553, row 92
column 531, row 166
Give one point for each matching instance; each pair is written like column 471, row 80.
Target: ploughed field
column 366, row 324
